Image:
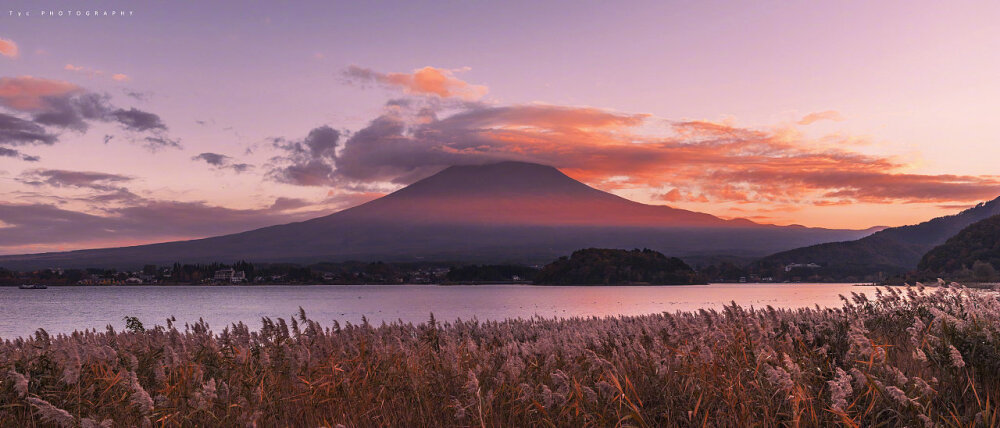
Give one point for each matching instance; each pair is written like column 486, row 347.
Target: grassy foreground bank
column 911, row 357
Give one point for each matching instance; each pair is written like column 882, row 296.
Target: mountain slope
column 978, row 242
column 893, row 250
column 504, row 212
column 519, row 193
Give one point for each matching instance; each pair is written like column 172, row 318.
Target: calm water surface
column 64, row 309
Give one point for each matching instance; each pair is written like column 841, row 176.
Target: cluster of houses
column 222, row 276
column 376, row 273
column 133, row 278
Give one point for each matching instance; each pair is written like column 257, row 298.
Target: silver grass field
column 910, row 356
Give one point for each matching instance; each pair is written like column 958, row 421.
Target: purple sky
column 835, row 114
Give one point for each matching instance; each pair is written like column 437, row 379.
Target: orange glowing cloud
column 27, row 93
column 8, row 48
column 697, row 161
column 423, row 81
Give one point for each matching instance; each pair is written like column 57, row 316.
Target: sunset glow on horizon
column 185, row 120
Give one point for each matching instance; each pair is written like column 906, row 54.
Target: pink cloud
column 423, row 81
column 93, row 72
column 27, row 93
column 8, row 48
column 821, row 115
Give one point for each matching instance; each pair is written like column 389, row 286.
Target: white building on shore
column 230, row 275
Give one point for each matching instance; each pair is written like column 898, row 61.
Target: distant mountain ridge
column 892, row 250
column 497, row 213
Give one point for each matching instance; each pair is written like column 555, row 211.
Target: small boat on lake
column 33, row 286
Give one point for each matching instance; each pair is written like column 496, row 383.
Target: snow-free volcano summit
column 501, row 212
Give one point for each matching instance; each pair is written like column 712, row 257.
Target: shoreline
column 475, row 283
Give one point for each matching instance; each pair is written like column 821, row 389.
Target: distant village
column 245, row 273
column 241, row 273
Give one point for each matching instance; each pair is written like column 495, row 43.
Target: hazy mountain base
column 403, row 243
column 907, row 358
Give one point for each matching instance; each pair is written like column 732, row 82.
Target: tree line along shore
column 590, row 266
column 971, row 256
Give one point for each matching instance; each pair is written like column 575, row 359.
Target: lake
column 64, row 309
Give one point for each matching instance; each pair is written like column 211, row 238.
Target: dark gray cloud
column 386, row 151
column 314, row 172
column 15, row 131
column 40, row 224
column 11, row 153
column 361, row 76
column 220, row 161
column 138, row 95
column 213, row 159
column 240, row 167
column 406, row 143
column 74, row 111
column 118, row 216
column 101, row 188
column 320, row 143
column 62, row 106
column 120, row 195
column 79, row 179
column 307, row 162
column 48, row 227
column 137, row 120
column 155, row 143
column 409, row 142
